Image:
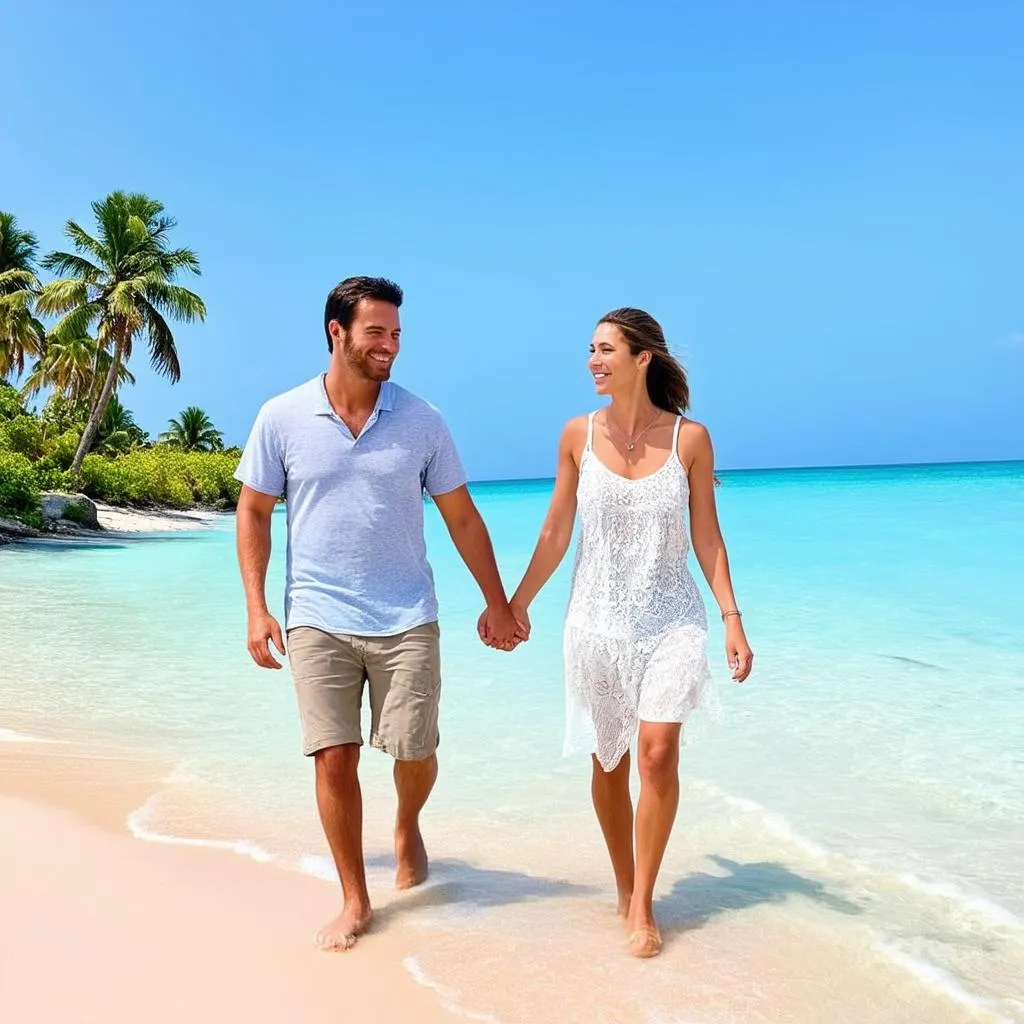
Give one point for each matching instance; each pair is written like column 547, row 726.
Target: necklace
column 631, row 442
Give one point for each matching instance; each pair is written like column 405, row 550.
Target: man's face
column 371, row 344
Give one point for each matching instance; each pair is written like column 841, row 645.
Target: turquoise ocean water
column 850, row 844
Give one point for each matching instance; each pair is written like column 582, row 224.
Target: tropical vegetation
column 37, row 451
column 68, row 342
column 193, row 431
column 21, row 334
column 120, row 283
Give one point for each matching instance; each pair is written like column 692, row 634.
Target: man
column 353, row 454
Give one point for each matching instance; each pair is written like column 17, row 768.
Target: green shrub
column 49, row 478
column 24, row 435
column 19, row 493
column 163, row 475
column 11, row 404
column 61, row 414
column 59, row 451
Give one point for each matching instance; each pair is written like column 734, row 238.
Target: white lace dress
column 636, row 630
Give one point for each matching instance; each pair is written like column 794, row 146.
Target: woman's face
column 612, row 365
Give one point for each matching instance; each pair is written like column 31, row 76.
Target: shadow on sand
column 457, row 882
column 699, row 897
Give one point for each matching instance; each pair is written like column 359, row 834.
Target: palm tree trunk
column 99, row 408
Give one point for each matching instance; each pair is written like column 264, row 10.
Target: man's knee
column 338, row 766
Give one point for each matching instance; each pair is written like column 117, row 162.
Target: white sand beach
column 121, row 519
column 101, row 927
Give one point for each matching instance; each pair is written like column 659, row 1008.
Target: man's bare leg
column 340, row 802
column 658, row 761
column 413, row 780
column 614, row 807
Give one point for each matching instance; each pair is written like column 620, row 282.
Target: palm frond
column 66, row 366
column 141, row 262
column 69, row 264
column 175, row 301
column 180, row 259
column 16, row 304
column 61, row 295
column 160, row 227
column 16, row 279
column 17, row 247
column 86, row 243
column 76, row 324
column 163, row 353
column 137, row 230
column 125, row 303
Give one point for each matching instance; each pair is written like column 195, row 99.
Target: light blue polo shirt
column 357, row 559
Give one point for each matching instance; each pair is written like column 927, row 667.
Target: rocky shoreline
column 96, row 519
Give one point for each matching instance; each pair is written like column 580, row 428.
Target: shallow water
column 850, row 839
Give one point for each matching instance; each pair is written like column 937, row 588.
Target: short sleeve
column 262, row 463
column 444, row 471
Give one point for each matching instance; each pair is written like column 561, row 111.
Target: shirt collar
column 322, row 404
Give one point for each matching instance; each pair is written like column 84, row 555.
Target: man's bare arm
column 252, row 526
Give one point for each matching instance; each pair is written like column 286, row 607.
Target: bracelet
column 732, row 611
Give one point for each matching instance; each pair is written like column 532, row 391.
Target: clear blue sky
column 822, row 202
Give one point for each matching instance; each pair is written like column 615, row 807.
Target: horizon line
column 797, row 469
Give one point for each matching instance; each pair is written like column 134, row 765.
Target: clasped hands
column 504, row 626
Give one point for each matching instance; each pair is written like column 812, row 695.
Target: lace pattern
column 635, row 642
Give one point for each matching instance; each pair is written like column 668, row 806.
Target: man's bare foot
column 644, row 938
column 341, row 933
column 411, row 855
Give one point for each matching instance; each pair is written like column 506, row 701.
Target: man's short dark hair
column 343, row 299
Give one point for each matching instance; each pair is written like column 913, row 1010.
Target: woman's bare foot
column 623, row 909
column 644, row 938
column 644, row 943
column 341, row 933
column 411, row 855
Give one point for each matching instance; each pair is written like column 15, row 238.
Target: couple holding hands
column 354, row 453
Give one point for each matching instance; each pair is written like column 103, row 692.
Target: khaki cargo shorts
column 404, row 673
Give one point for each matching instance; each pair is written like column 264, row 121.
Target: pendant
column 630, row 447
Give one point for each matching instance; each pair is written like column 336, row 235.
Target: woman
column 636, row 630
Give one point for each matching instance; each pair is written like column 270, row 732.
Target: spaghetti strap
column 590, row 431
column 675, row 437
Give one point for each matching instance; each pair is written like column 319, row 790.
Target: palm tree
column 194, row 432
column 118, row 431
column 75, row 368
column 21, row 334
column 122, row 283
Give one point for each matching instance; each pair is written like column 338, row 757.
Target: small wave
column 10, row 736
column 982, row 907
column 140, row 821
column 321, row 866
column 936, row 979
column 318, row 866
column 776, row 823
column 979, row 906
column 412, row 965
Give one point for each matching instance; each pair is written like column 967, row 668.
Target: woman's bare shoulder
column 694, row 443
column 693, row 433
column 576, row 426
column 574, row 436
